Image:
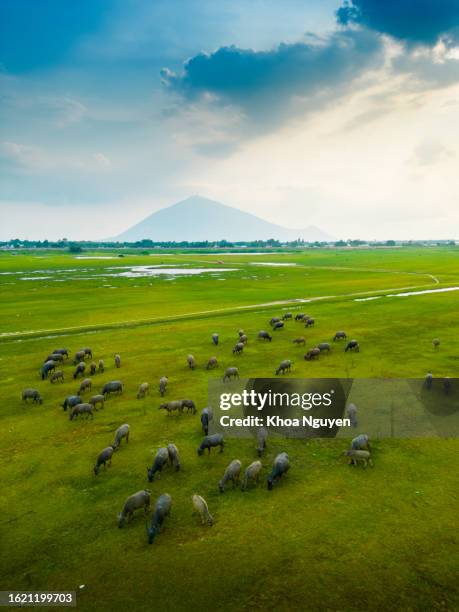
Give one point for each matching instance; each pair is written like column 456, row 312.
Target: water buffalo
column 238, row 348
column 97, row 399
column 104, row 457
column 281, row 466
column 79, row 356
column 57, row 357
column 243, row 339
column 287, row 315
column 171, row 406
column 46, row 368
column 189, row 405
column 88, row 352
column 313, row 353
column 210, row 442
column 284, row 366
column 117, row 361
column 215, row 339
column 58, row 375
column 79, row 370
column 299, row 340
column 274, row 320
column 92, row 368
column 262, row 436
column 352, row 345
column 230, row 373
column 231, row 474
column 141, row 499
column 340, row 335
column 163, row 385
column 114, row 386
column 161, row 459
column 174, row 457
column 212, row 363
column 300, row 316
column 191, row 362
column 101, row 366
column 120, row 433
column 85, row 385
column 144, row 390
column 32, row 394
column 162, row 510
column 61, row 351
column 436, row 342
column 428, row 380
column 352, row 414
column 278, row 325
column 361, row 442
column 356, row 456
column 80, row 409
column 206, row 417
column 252, row 474
column 263, row 335
column 324, row 346
column 310, row 322
column 71, row 401
column 200, row 505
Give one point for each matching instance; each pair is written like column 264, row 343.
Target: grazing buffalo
column 79, row 356
column 352, row 414
column 144, row 390
column 436, row 342
column 352, row 345
column 361, row 442
column 299, row 340
column 284, row 366
column 162, row 510
column 206, row 417
column 191, row 362
column 97, row 399
column 274, row 320
column 120, row 433
column 428, row 380
column 163, row 385
column 356, row 456
column 57, row 357
column 174, row 457
column 243, row 339
column 252, row 474
column 56, row 376
column 79, row 370
column 241, row 333
column 262, row 436
column 80, row 409
column 287, row 315
column 313, row 353
column 46, row 368
column 171, row 406
column 92, row 368
column 61, row 351
column 101, row 366
column 340, row 335
column 200, row 505
column 71, row 401
column 88, row 352
column 32, row 394
column 104, row 457
column 263, row 335
column 281, row 466
column 324, row 346
column 215, row 339
column 238, row 348
column 210, row 442
column 189, row 405
column 117, row 361
column 310, row 322
column 231, row 474
column 114, row 386
column 141, row 499
column 212, row 363
column 230, row 373
column 161, row 459
column 300, row 316
column 86, row 385
column 278, row 325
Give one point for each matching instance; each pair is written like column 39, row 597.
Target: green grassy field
column 329, row 537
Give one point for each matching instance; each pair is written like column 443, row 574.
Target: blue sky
column 341, row 114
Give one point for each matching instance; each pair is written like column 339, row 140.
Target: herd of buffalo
column 359, row 452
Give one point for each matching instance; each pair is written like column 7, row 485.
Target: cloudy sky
column 326, row 112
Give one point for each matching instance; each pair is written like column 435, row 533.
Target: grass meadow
column 328, row 537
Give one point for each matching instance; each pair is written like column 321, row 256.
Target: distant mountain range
column 197, row 219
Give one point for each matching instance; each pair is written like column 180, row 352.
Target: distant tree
column 74, row 248
column 340, row 243
column 390, row 242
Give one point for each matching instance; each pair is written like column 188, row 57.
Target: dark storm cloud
column 414, row 21
column 263, row 81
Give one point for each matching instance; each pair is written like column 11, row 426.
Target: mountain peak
column 198, row 218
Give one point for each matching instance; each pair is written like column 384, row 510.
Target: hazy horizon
column 341, row 115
